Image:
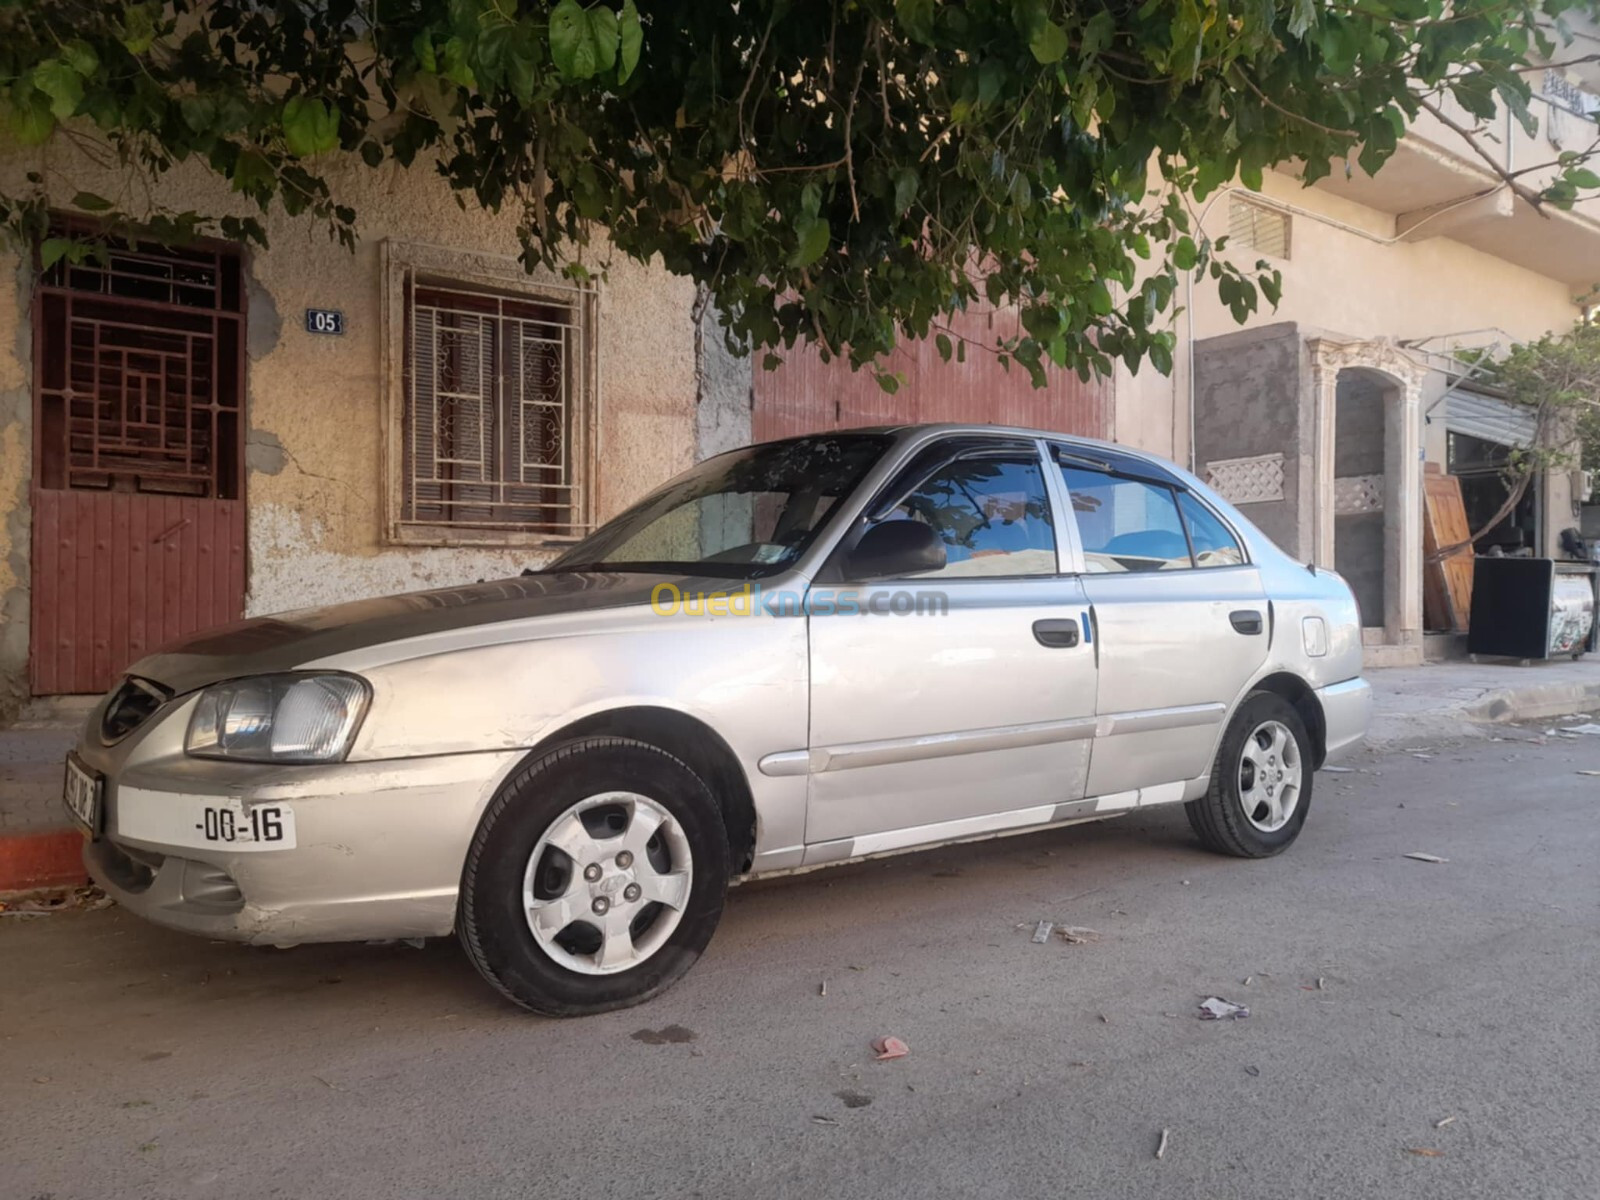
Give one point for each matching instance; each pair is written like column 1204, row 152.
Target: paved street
column 1386, row 995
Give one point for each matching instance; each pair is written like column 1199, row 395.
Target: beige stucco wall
column 315, row 486
column 1352, row 283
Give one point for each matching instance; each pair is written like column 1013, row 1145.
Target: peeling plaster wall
column 314, row 452
column 16, row 478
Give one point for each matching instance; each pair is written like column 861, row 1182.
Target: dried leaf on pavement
column 1424, row 1152
column 1427, row 858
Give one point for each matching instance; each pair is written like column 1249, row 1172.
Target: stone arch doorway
column 1368, row 491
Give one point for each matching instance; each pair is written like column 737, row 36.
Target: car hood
column 286, row 641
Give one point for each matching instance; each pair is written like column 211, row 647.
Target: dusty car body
column 1076, row 653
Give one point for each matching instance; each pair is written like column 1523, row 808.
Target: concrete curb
column 1395, row 726
column 34, row 861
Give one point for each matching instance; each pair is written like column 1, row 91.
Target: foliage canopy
column 843, row 171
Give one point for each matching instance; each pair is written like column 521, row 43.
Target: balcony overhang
column 1432, row 192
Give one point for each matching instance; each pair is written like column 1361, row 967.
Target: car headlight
column 303, row 717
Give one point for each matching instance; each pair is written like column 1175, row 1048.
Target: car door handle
column 1056, row 633
column 1246, row 620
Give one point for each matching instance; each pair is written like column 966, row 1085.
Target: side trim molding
column 851, row 755
column 1150, row 720
column 1017, row 820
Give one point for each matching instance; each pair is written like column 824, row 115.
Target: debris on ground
column 1077, row 935
column 1443, row 1123
column 822, row 1120
column 889, row 1047
column 1041, row 932
column 44, row 904
column 1424, row 1152
column 1589, row 772
column 1215, row 1008
column 1419, row 856
column 1340, row 770
column 1253, row 1072
column 1591, row 727
column 1161, row 1146
column 822, row 988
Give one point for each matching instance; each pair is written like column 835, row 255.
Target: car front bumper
column 379, row 848
column 1346, row 711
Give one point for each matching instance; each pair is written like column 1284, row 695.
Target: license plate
column 82, row 795
column 204, row 822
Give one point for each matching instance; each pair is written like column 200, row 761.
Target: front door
column 959, row 698
column 1182, row 624
column 138, row 486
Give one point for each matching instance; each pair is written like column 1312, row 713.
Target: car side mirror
column 894, row 548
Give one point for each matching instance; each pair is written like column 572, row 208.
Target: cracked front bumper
column 378, row 854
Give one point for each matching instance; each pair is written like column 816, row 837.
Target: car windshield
column 742, row 515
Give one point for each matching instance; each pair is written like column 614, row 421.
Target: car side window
column 1214, row 544
column 992, row 513
column 1126, row 524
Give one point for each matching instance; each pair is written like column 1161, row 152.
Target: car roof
column 945, row 428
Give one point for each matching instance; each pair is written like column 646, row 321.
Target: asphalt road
column 1386, row 996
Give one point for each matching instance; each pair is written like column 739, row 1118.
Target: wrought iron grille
column 140, row 367
column 495, row 428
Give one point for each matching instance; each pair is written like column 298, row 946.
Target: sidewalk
column 1412, row 706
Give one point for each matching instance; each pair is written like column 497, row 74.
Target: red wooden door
column 138, row 492
column 806, row 395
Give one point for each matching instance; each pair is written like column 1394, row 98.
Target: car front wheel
column 596, row 878
column 1260, row 783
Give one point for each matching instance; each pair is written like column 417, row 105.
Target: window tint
column 1214, row 546
column 992, row 514
column 1126, row 524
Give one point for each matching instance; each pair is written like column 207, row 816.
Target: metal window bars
column 496, row 428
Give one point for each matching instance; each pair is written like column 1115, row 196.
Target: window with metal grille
column 1257, row 227
column 140, row 371
column 496, row 424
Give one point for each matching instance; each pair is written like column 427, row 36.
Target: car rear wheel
column 1260, row 784
column 596, row 878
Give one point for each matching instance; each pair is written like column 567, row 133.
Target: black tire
column 1219, row 816
column 491, row 922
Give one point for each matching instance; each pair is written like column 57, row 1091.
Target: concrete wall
column 315, row 482
column 1248, row 397
column 1345, row 275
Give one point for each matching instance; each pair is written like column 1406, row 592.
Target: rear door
column 1180, row 620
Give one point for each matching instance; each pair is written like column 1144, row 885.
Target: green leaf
column 574, row 42
column 603, row 31
column 52, row 250
column 198, row 112
column 422, row 47
column 138, row 28
column 916, row 18
column 80, row 56
column 1584, row 178
column 57, row 80
column 813, row 242
column 942, row 341
column 371, row 153
column 309, row 126
column 1302, row 16
column 906, row 183
column 1100, row 298
column 1049, row 42
column 631, row 30
column 89, row 202
column 1184, row 254
column 32, row 120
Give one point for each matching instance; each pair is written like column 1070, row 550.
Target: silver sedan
column 794, row 654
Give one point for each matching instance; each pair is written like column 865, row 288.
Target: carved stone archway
column 1402, row 379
